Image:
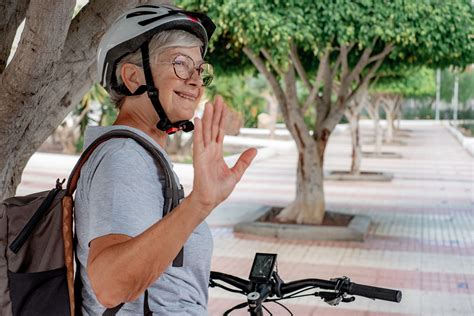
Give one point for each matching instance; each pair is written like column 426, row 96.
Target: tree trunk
column 389, row 135
column 273, row 112
column 175, row 145
column 373, row 110
column 378, row 137
column 309, row 205
column 51, row 70
column 391, row 106
column 353, row 118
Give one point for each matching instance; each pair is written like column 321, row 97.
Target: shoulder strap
column 172, row 192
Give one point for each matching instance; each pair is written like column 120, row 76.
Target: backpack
column 37, row 244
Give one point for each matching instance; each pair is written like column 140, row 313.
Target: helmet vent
column 146, row 22
column 139, row 13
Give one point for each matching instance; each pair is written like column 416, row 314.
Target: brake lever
column 348, row 299
column 333, row 298
column 278, row 284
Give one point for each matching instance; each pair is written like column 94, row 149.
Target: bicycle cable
column 215, row 284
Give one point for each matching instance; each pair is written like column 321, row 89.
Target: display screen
column 262, row 266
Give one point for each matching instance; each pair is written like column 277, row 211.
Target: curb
column 466, row 142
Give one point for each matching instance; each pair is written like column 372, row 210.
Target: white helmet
column 137, row 26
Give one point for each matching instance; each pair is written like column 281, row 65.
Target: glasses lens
column 206, row 71
column 183, row 66
column 184, row 69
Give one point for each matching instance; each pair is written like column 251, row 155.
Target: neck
column 142, row 123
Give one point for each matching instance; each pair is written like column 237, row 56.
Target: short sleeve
column 125, row 193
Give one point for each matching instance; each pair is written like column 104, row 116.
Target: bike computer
column 262, row 267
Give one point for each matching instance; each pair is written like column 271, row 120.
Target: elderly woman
column 151, row 62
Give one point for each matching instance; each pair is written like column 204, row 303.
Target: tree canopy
column 466, row 85
column 430, row 32
column 414, row 83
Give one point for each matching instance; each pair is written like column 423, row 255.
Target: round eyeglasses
column 184, row 67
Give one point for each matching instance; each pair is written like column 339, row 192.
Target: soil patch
column 330, row 218
column 361, row 176
column 336, row 226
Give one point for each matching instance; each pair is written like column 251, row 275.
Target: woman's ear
column 132, row 76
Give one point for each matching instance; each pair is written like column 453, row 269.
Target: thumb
column 243, row 163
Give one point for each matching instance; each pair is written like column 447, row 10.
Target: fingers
column 221, row 129
column 243, row 163
column 198, row 139
column 218, row 109
column 206, row 123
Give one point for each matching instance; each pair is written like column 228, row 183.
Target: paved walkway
column 421, row 240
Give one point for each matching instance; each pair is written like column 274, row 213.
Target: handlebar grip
column 375, row 292
column 237, row 282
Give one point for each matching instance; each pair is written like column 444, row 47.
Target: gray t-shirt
column 120, row 192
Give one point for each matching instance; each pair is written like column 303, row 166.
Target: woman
column 151, row 61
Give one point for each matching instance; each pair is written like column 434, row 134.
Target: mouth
column 187, row 95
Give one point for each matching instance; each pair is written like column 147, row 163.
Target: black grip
column 375, row 292
column 237, row 282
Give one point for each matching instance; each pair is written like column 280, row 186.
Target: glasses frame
column 205, row 83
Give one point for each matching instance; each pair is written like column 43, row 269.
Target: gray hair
column 158, row 44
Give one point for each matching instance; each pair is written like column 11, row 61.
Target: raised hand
column 213, row 179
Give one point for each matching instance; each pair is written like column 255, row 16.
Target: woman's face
column 178, row 97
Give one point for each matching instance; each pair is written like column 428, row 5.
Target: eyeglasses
column 184, row 67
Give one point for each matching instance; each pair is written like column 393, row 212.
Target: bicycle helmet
column 133, row 30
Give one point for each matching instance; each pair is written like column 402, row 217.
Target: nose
column 195, row 78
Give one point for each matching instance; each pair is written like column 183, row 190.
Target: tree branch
column 277, row 90
column 12, row 13
column 382, row 54
column 324, row 104
column 295, row 123
column 269, row 58
column 317, row 83
column 299, row 67
column 373, row 70
column 39, row 50
column 343, row 57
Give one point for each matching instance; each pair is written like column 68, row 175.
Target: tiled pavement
column 421, row 240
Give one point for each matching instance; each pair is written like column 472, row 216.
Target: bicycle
column 264, row 283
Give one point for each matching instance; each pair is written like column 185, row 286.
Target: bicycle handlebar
column 290, row 287
column 237, row 282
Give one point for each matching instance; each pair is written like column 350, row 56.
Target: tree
column 352, row 113
column 334, row 48
column 53, row 67
column 466, row 85
column 390, row 90
column 241, row 93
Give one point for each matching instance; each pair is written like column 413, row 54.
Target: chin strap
column 164, row 124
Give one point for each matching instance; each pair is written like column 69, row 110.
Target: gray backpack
column 37, row 243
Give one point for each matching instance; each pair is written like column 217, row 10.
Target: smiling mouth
column 186, row 96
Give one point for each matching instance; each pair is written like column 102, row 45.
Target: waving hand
column 213, row 179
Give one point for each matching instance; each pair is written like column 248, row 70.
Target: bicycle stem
column 256, row 298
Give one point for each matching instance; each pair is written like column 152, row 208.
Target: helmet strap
column 164, row 124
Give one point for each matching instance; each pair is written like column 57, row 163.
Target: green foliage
column 466, row 86
column 467, row 129
column 427, row 112
column 242, row 95
column 105, row 116
column 429, row 32
column 413, row 83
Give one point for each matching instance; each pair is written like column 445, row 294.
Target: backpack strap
column 171, row 188
column 172, row 195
